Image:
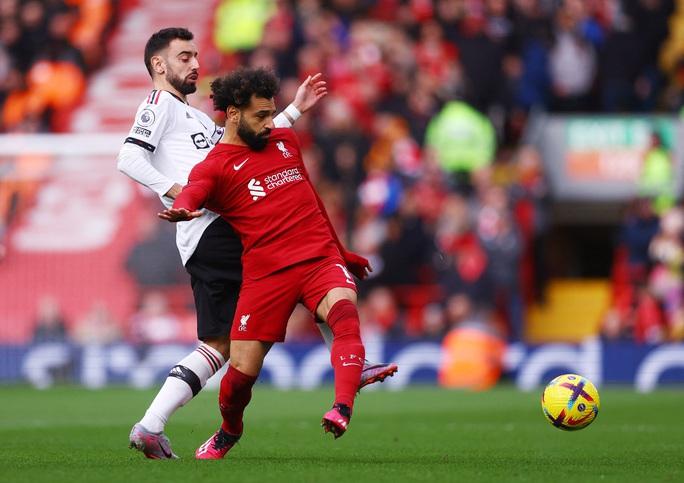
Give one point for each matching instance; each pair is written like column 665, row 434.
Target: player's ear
column 233, row 114
column 158, row 64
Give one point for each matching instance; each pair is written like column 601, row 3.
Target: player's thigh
column 215, row 303
column 247, row 356
column 221, row 344
column 218, row 253
column 264, row 307
column 326, row 282
column 331, row 298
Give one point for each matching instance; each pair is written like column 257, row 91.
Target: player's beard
column 180, row 85
column 256, row 141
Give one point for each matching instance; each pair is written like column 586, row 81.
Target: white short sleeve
column 152, row 119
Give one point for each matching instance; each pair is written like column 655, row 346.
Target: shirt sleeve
column 134, row 161
column 218, row 134
column 152, row 120
column 201, row 183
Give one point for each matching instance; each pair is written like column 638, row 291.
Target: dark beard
column 256, row 142
column 180, row 85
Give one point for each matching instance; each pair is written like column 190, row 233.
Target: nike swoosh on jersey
column 236, row 167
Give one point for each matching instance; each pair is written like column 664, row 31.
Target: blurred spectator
column 530, row 204
column 638, row 230
column 473, row 350
column 666, row 280
column 619, row 66
column 463, row 140
column 47, row 48
column 573, row 58
column 49, row 325
column 464, row 265
column 50, row 331
column 632, row 305
column 154, row 323
column 97, row 327
column 153, row 261
column 434, row 321
column 380, row 314
column 240, row 23
column 501, row 240
column 657, row 175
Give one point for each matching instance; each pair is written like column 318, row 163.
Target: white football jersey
column 177, row 137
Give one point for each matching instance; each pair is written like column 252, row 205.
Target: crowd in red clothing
column 648, row 277
column 448, row 247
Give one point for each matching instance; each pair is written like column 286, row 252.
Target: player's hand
column 179, row 214
column 310, row 92
column 357, row 265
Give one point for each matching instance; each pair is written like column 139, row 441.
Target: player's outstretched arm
column 194, row 195
column 179, row 214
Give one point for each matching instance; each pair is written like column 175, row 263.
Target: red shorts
column 265, row 305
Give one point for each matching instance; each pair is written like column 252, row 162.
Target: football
column 570, row 402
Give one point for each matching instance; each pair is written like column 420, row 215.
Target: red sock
column 347, row 354
column 234, row 395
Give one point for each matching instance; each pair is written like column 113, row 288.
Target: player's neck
column 232, row 137
column 162, row 85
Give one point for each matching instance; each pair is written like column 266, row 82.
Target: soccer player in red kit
column 256, row 180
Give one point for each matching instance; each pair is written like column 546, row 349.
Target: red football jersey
column 268, row 199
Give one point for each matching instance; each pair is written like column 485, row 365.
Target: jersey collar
column 177, row 98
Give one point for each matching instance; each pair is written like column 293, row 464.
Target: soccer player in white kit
column 168, row 138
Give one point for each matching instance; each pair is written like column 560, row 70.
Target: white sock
column 326, row 333
column 183, row 383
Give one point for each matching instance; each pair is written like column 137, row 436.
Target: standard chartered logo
column 273, row 181
column 255, row 189
column 282, row 178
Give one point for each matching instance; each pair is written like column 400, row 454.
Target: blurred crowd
column 47, row 50
column 648, row 276
column 418, row 149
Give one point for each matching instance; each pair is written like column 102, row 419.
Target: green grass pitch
column 422, row 434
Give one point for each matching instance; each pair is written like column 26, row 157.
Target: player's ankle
column 152, row 422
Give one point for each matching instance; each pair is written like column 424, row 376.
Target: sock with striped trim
column 184, row 381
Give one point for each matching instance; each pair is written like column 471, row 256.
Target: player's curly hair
column 236, row 88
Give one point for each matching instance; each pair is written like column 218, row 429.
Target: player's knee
column 250, row 367
column 332, row 298
column 221, row 344
column 248, row 356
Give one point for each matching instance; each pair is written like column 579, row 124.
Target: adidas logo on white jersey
column 255, row 189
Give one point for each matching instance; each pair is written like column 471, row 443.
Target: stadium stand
column 437, row 227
